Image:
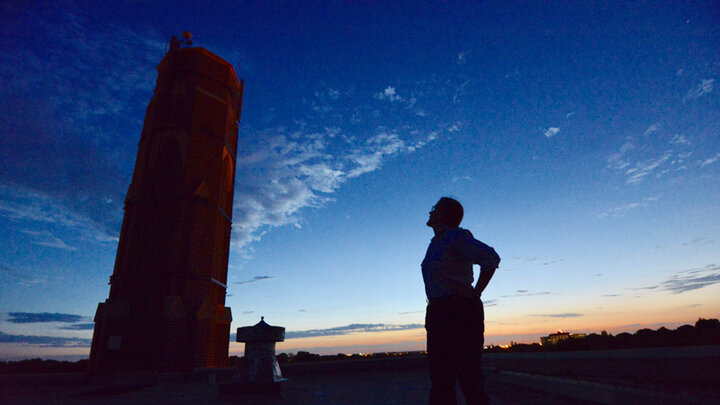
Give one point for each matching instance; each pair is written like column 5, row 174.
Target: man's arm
column 482, row 254
column 486, row 274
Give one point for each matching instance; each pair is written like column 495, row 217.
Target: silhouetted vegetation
column 705, row 332
column 300, row 357
column 515, row 348
column 306, row 357
column 43, row 366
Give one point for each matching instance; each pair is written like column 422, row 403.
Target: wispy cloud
column 67, row 144
column 466, row 178
column 22, row 277
column 350, row 329
column 45, row 238
column 369, row 157
column 637, row 174
column 45, row 341
column 699, row 241
column 388, row 94
column 652, row 128
column 562, row 315
column 678, row 139
column 710, row 161
column 688, row 280
column 79, row 326
column 256, row 279
column 525, row 293
column 526, row 259
column 705, row 87
column 26, row 206
column 532, row 259
column 462, row 57
column 289, row 170
column 460, row 91
column 550, row 132
column 619, row 160
column 625, row 208
column 39, row 317
column 553, row 262
column 653, row 154
column 69, row 139
column 322, row 100
column 333, row 93
column 514, row 73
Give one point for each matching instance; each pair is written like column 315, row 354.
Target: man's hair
column 452, row 208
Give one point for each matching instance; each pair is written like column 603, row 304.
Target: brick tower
column 166, row 308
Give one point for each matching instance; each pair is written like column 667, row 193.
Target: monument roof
column 261, row 332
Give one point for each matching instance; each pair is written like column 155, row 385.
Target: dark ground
column 689, row 375
column 381, row 387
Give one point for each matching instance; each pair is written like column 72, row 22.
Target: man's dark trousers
column 455, row 328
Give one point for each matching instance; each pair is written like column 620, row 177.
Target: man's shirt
column 447, row 267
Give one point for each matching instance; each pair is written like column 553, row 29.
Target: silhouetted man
column 455, row 319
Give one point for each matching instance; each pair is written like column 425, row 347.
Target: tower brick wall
column 166, row 308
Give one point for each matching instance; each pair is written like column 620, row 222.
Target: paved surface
column 382, row 388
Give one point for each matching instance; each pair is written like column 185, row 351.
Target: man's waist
column 442, row 286
column 441, row 300
column 451, row 298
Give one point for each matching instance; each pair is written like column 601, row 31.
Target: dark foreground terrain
column 649, row 376
column 384, row 387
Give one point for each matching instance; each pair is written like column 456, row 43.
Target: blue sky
column 582, row 139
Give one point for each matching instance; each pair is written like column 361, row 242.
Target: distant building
column 166, row 309
column 554, row 338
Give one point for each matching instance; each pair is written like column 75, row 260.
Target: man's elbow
column 495, row 259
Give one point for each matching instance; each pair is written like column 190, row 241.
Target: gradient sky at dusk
column 583, row 139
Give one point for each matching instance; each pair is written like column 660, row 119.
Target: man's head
column 447, row 212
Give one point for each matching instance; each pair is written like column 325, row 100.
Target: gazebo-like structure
column 259, row 371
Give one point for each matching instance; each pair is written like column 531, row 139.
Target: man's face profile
column 436, row 215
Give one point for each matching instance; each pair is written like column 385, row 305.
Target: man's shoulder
column 460, row 232
column 453, row 234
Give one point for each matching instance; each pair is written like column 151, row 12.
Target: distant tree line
column 705, row 332
column 307, row 357
column 284, row 358
column 43, row 366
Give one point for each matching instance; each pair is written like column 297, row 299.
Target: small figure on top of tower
column 186, row 42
